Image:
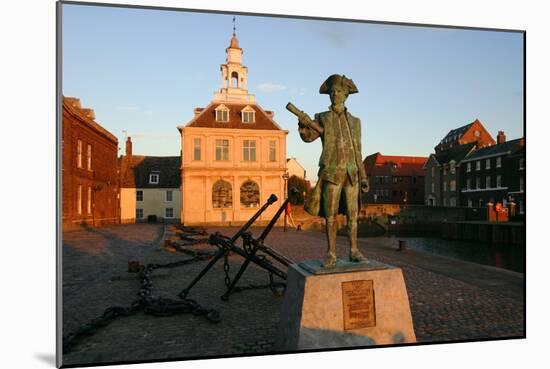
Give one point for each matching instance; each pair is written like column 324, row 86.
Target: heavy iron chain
column 227, row 279
column 151, row 305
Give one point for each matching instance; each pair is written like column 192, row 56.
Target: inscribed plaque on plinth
column 358, row 303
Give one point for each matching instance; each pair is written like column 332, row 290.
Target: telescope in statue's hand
column 304, row 118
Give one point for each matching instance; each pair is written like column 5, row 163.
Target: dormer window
column 248, row 114
column 153, row 178
column 222, row 113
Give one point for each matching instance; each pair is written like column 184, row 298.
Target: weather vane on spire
column 234, row 25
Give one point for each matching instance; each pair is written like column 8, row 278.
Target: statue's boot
column 354, row 253
column 331, row 228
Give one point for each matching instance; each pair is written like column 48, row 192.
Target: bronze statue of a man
column 341, row 170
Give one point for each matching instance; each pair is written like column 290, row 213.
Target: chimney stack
column 501, row 137
column 197, row 111
column 129, row 147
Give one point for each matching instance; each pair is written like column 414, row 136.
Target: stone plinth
column 352, row 304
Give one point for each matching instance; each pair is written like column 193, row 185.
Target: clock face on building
column 476, row 133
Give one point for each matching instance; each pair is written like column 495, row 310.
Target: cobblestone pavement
column 95, row 276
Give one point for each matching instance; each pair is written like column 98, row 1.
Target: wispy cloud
column 128, row 108
column 271, row 87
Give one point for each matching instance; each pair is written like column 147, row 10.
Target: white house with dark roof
column 294, row 168
column 150, row 187
column 233, row 153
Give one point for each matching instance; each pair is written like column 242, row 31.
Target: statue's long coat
column 328, row 162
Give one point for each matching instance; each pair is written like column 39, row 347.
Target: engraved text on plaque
column 358, row 300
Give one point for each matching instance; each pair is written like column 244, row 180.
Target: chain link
column 227, row 279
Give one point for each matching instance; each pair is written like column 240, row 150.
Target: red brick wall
column 407, row 185
column 484, row 138
column 102, row 177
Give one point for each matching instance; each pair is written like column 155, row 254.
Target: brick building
column 394, row 179
column 474, row 132
column 150, row 187
column 233, row 153
column 442, row 183
column 495, row 174
column 89, row 168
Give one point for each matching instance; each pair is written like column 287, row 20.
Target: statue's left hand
column 365, row 185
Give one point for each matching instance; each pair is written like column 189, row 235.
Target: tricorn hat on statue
column 337, row 79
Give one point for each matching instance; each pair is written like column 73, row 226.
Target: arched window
column 235, row 79
column 222, row 195
column 250, row 194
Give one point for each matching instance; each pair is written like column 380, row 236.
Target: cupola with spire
column 234, row 74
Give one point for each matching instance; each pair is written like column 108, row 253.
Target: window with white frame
column 499, row 162
column 478, row 165
column 488, row 164
column 79, row 154
column 272, row 150
column 139, row 213
column 478, row 182
column 169, row 195
column 488, row 182
column 139, row 195
column 222, row 150
column 468, row 183
column 249, row 150
column 452, row 185
column 470, row 203
column 154, row 178
column 248, row 116
column 197, row 149
column 522, row 163
column 453, row 167
column 89, row 156
column 453, row 201
column 222, row 114
column 79, row 200
column 169, row 212
column 89, row 201
column 499, row 181
column 469, row 167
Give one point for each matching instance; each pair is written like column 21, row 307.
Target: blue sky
column 144, row 71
